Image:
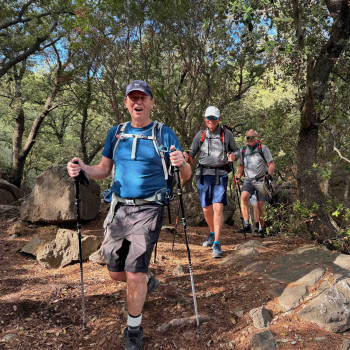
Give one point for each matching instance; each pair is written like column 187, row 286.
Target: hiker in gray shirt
column 217, row 147
column 256, row 163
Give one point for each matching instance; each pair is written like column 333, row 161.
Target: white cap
column 211, row 110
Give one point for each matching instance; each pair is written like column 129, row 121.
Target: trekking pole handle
column 82, row 177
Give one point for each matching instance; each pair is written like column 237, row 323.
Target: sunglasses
column 212, row 117
column 250, row 138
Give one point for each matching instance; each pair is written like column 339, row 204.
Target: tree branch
column 339, row 154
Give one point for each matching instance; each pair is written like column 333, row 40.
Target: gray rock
column 311, row 278
column 20, row 229
column 8, row 211
column 292, row 296
column 345, row 345
column 243, row 253
column 35, row 245
column 9, row 337
column 180, row 270
column 263, row 341
column 261, row 317
column 65, row 249
column 97, row 257
column 52, row 199
column 330, row 310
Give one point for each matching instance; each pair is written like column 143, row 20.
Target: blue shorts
column 209, row 192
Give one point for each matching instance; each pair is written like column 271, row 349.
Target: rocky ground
column 41, row 309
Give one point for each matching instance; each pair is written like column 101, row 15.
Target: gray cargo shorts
column 130, row 237
column 251, row 186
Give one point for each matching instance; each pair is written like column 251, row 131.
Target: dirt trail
column 42, row 308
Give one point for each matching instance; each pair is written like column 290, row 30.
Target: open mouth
column 138, row 109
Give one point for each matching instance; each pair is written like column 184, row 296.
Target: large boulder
column 52, row 199
column 8, row 193
column 64, row 250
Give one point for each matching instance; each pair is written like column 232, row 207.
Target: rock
column 97, row 257
column 263, row 341
column 8, row 193
column 238, row 312
column 52, row 199
column 330, row 309
column 291, row 297
column 345, row 345
column 180, row 270
column 9, row 211
column 261, row 317
column 35, row 245
column 9, row 337
column 20, row 229
column 65, row 249
column 243, row 253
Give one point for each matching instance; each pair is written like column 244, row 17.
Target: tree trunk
column 316, row 84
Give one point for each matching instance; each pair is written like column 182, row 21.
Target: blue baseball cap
column 139, row 85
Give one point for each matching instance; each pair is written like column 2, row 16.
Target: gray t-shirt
column 255, row 166
column 213, row 152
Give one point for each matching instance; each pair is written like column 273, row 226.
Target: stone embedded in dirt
column 52, row 199
column 244, row 252
column 8, row 211
column 177, row 322
column 35, row 245
column 291, row 297
column 180, row 270
column 9, row 337
column 238, row 312
column 65, row 249
column 345, row 345
column 330, row 310
column 261, row 317
column 19, row 228
column 97, row 257
column 9, row 193
column 263, row 341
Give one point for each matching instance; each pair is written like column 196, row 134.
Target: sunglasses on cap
column 212, row 117
column 250, row 138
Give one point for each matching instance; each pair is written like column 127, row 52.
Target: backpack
column 244, row 148
column 156, row 138
column 223, row 128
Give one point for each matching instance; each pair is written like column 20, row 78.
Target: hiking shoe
column 217, row 251
column 133, row 340
column 261, row 233
column 209, row 241
column 245, row 229
column 152, row 284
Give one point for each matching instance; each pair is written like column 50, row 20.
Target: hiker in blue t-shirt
column 134, row 221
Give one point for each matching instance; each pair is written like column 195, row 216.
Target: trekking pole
column 179, row 192
column 176, row 221
column 238, row 195
column 81, row 178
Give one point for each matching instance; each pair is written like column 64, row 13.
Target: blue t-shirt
column 143, row 176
